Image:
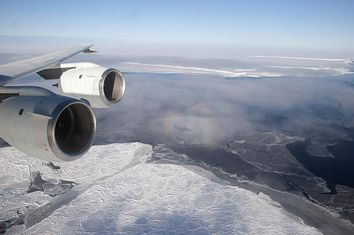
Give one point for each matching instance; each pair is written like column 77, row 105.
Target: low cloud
column 213, row 110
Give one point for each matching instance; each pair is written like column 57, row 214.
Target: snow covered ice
column 119, row 190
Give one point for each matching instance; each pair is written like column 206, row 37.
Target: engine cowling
column 100, row 86
column 52, row 128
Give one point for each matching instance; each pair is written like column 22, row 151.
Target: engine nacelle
column 100, row 86
column 51, row 127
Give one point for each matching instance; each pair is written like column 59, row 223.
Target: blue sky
column 316, row 25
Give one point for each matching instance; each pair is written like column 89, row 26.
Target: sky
column 193, row 26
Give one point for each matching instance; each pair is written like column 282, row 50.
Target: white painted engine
column 46, row 125
column 100, row 86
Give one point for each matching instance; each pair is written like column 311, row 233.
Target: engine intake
column 74, row 130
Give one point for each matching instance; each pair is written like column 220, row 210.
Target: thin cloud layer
column 211, row 110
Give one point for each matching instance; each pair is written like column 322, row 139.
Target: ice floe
column 120, row 191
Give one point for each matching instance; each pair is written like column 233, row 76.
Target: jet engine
column 100, row 86
column 50, row 127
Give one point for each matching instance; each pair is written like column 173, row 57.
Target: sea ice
column 120, row 191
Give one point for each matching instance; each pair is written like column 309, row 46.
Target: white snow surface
column 121, row 192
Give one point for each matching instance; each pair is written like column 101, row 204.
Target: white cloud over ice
column 163, row 68
column 254, row 66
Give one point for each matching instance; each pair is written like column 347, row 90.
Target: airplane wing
column 19, row 69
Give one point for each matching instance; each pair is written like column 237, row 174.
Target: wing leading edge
column 19, row 69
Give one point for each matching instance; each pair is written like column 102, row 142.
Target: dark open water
column 338, row 170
